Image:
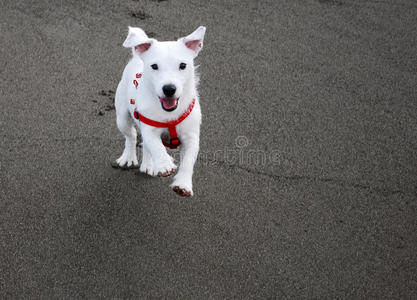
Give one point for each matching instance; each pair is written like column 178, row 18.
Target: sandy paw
column 182, row 192
column 167, row 173
column 182, row 187
column 166, row 169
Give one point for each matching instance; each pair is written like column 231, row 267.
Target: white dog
column 158, row 93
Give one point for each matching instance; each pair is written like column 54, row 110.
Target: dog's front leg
column 163, row 164
column 182, row 184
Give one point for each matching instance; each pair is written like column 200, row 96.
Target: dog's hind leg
column 128, row 159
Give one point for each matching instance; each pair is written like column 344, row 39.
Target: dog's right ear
column 138, row 40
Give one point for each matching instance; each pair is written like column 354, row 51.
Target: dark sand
column 306, row 183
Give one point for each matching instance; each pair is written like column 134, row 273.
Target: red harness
column 174, row 141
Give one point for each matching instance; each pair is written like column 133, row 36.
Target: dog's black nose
column 169, row 90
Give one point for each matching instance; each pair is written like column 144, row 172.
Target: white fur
column 168, row 56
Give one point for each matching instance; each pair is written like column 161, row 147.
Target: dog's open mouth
column 169, row 104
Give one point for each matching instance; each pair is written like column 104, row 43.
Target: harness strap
column 174, row 141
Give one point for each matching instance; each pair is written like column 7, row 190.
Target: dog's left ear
column 138, row 40
column 194, row 41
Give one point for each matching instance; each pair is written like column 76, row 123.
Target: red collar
column 174, row 142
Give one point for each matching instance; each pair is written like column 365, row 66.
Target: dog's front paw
column 128, row 160
column 165, row 169
column 182, row 187
column 147, row 167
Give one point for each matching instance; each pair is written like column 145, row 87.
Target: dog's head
column 168, row 66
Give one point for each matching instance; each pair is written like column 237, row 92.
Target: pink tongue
column 169, row 103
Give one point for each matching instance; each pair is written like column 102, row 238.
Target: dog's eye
column 183, row 66
column 154, row 66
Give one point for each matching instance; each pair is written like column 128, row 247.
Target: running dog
column 158, row 94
